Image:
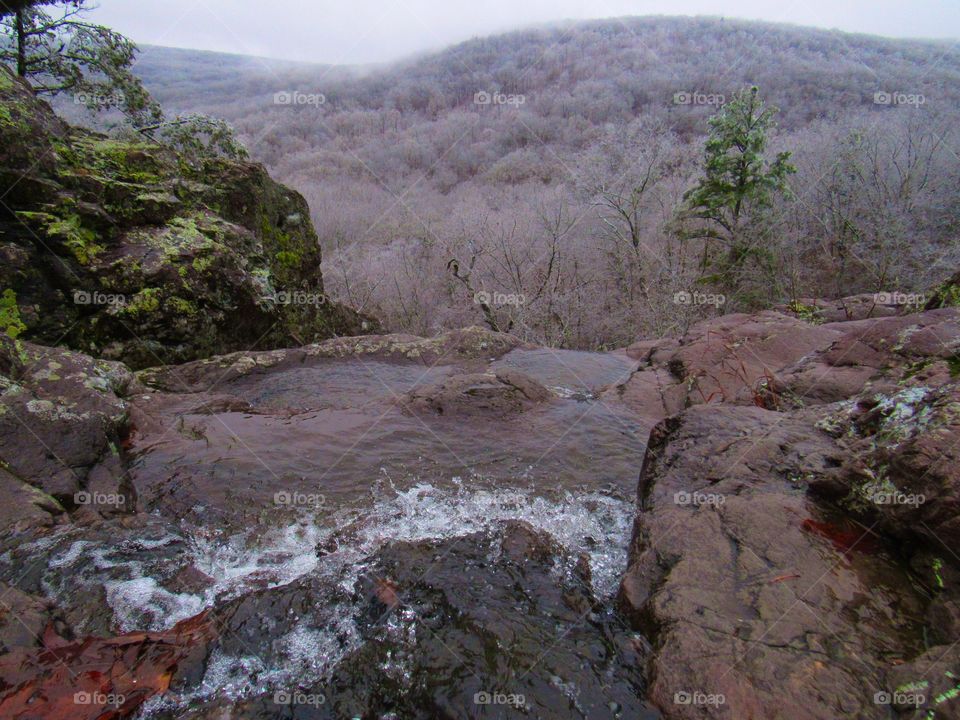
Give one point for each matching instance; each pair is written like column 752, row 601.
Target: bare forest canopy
column 535, row 181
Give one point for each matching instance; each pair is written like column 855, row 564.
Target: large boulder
column 490, row 394
column 126, row 250
column 798, row 561
column 759, row 602
column 63, row 421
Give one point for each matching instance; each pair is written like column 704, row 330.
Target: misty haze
column 479, row 360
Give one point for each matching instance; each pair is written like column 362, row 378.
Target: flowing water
column 360, row 560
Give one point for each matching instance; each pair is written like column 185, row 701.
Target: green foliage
column 59, row 52
column 10, row 322
column 736, row 173
column 728, row 205
column 947, row 294
column 198, row 137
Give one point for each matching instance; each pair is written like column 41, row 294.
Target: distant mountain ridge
column 461, row 154
column 684, row 55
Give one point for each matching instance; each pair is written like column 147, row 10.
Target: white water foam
column 588, row 522
column 591, row 523
column 141, row 601
column 131, row 571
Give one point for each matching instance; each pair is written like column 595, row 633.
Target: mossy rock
column 946, row 294
column 122, row 249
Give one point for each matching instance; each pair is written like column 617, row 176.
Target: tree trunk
column 21, row 46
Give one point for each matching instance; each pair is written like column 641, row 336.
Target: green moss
column 946, row 696
column 953, row 362
column 288, row 250
column 180, row 235
column 14, row 117
column 809, row 313
column 63, row 224
column 182, row 306
column 10, row 321
column 202, row 264
column 914, row 686
column 914, row 368
column 78, row 239
column 937, row 567
column 186, row 228
column 116, row 159
column 289, row 259
column 143, row 303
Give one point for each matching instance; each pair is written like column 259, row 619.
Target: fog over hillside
column 523, row 140
column 366, row 31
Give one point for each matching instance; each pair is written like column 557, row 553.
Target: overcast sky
column 362, row 31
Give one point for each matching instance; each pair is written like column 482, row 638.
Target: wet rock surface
column 398, row 527
column 96, row 678
column 350, row 541
column 530, row 637
column 748, row 589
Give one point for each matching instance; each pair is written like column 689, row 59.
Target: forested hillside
column 545, row 170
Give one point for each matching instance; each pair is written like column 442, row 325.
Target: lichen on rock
column 122, row 249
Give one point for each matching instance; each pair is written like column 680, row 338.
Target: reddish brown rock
column 503, row 392
column 729, row 359
column 884, row 351
column 746, row 587
column 733, row 358
column 23, row 618
column 96, row 678
column 61, row 419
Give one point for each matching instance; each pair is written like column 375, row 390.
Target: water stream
column 364, row 561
